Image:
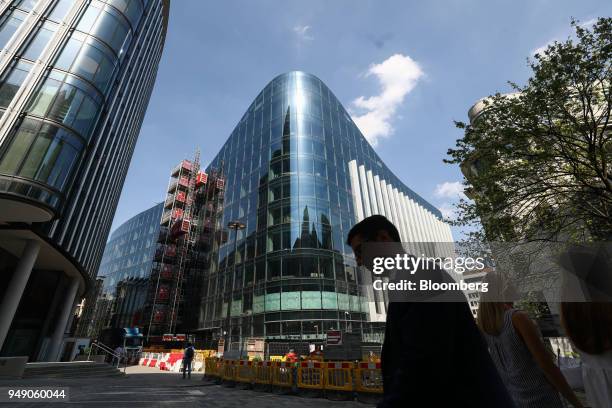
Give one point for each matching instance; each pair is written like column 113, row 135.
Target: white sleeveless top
column 525, row 381
column 597, row 378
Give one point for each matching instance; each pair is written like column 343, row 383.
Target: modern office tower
column 126, row 265
column 76, row 77
column 299, row 176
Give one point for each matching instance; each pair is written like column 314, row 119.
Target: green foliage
column 538, row 162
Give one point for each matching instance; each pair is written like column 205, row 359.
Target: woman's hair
column 491, row 307
column 490, row 317
column 588, row 325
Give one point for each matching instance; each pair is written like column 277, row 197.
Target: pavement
column 150, row 387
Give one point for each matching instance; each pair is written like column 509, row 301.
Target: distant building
column 126, row 265
column 473, row 296
column 536, row 285
column 75, row 82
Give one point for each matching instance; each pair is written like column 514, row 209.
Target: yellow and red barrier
column 263, row 373
column 282, row 374
column 333, row 378
column 229, row 371
column 244, row 372
column 368, row 378
column 310, row 375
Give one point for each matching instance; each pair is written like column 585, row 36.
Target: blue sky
column 405, row 69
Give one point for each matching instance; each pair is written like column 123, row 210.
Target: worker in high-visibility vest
column 291, row 357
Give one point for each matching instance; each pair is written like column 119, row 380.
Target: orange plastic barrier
column 211, row 368
column 244, row 372
column 368, row 378
column 339, row 376
column 282, row 374
column 229, row 370
column 263, row 372
column 310, row 375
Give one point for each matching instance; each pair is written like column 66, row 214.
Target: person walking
column 517, row 349
column 118, row 355
column 188, row 355
column 433, row 354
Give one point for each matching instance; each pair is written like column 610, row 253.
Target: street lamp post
column 236, row 226
column 346, row 323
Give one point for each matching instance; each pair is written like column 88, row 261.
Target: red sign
column 187, row 164
column 185, row 226
column 220, row 183
column 180, row 196
column 334, row 338
column 201, row 178
column 174, row 337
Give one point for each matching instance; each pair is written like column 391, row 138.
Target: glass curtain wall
column 291, row 276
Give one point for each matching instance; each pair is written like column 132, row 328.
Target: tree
column 538, row 162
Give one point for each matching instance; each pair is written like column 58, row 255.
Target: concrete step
column 70, row 370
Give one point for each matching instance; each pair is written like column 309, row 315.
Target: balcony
column 185, row 165
column 181, row 183
column 166, row 216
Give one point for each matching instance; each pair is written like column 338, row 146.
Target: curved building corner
column 299, row 174
column 75, row 81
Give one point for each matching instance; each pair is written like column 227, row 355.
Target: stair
column 76, row 369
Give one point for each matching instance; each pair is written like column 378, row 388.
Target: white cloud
column 448, row 189
column 397, row 75
column 303, row 32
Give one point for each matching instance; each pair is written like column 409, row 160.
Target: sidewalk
column 150, row 387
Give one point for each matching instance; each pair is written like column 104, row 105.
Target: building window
column 10, row 25
column 43, row 152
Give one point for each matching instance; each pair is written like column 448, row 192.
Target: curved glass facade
column 287, row 169
column 76, row 77
column 126, row 263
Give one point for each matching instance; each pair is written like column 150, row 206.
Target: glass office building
column 75, row 81
column 130, row 248
column 126, row 265
column 299, row 176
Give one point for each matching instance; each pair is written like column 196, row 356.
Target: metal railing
column 110, row 352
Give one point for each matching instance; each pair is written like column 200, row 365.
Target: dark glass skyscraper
column 75, row 81
column 299, row 176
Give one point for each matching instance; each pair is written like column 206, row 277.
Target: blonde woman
column 517, row 349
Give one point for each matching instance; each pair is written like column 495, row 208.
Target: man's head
column 376, row 228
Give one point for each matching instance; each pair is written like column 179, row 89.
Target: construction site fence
column 361, row 378
column 172, row 360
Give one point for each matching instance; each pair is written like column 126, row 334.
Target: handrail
column 108, row 350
